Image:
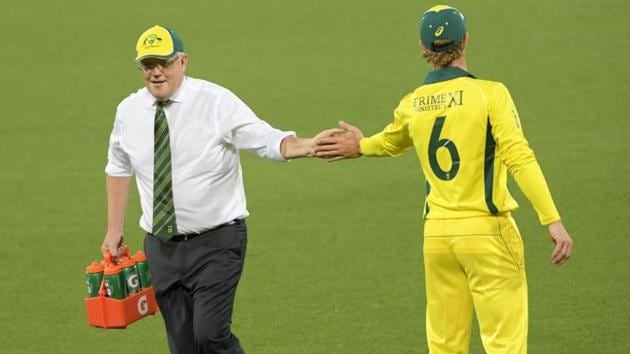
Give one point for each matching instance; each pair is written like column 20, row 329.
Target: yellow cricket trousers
column 475, row 263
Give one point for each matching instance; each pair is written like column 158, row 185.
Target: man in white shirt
column 180, row 137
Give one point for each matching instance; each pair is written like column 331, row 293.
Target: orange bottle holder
column 105, row 312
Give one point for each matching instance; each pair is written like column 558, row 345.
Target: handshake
column 331, row 144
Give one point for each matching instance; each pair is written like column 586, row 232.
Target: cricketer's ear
column 465, row 43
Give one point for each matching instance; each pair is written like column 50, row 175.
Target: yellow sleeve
column 531, row 181
column 392, row 141
column 515, row 153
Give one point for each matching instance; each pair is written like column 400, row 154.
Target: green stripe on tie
column 164, row 221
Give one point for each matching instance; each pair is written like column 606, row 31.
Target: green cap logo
column 151, row 39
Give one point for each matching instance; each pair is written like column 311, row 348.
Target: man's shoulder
column 134, row 99
column 205, row 87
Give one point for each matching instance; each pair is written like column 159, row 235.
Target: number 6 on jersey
column 436, row 143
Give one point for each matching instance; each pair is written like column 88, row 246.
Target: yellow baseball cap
column 158, row 42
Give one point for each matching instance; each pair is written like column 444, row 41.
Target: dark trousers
column 195, row 283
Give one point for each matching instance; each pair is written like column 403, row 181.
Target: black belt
column 187, row 237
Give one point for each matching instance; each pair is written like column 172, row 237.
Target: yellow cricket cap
column 158, row 42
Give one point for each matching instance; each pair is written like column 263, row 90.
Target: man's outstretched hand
column 340, row 146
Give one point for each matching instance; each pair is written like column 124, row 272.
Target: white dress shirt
column 207, row 124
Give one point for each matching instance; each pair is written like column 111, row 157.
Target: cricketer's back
column 467, row 136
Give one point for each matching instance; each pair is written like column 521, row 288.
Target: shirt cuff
column 275, row 142
column 371, row 146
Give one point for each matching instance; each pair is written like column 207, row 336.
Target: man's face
column 163, row 77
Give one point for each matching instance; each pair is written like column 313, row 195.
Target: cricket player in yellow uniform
column 467, row 135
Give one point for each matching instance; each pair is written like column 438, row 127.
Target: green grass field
column 335, row 250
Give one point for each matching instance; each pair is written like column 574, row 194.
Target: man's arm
column 117, row 197
column 293, row 147
column 393, row 141
column 340, row 146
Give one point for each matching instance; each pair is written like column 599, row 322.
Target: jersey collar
column 449, row 73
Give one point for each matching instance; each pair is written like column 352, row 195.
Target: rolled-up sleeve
column 240, row 127
column 118, row 162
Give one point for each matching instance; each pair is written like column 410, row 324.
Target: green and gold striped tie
column 164, row 223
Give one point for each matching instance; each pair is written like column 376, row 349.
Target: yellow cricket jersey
column 467, row 135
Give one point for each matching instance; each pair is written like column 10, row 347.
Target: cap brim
column 156, row 56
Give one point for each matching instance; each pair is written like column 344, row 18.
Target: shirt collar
column 449, row 73
column 180, row 94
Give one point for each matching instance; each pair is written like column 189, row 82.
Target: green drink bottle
column 114, row 282
column 143, row 269
column 94, row 275
column 130, row 275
